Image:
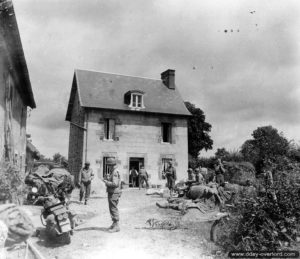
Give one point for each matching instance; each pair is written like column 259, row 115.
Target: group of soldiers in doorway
column 141, row 176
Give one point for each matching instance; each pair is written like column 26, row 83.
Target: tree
column 58, row 158
column 198, row 131
column 221, row 153
column 267, row 145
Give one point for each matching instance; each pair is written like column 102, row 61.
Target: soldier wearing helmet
column 85, row 178
column 113, row 183
column 171, row 177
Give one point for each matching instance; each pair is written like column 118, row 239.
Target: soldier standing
column 171, row 177
column 134, row 176
column 143, row 177
column 113, row 183
column 86, row 176
column 219, row 171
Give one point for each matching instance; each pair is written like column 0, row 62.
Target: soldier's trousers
column 143, row 179
column 85, row 189
column 113, row 201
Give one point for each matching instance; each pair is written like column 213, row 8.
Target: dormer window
column 134, row 99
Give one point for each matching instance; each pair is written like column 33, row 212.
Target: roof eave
column 74, row 89
column 139, row 111
column 9, row 23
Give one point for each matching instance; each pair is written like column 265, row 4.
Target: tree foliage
column 222, row 153
column 266, row 145
column 198, row 131
column 58, row 158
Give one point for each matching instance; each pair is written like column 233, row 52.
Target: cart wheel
column 219, row 229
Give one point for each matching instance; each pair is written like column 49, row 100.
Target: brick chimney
column 168, row 78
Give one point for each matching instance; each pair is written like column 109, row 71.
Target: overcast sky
column 236, row 60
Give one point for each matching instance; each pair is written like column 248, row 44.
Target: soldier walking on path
column 171, row 177
column 114, row 192
column 86, row 176
column 143, row 177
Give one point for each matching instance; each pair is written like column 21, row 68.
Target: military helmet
column 111, row 161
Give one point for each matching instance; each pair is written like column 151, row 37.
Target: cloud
column 241, row 79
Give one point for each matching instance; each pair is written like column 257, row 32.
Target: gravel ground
column 91, row 239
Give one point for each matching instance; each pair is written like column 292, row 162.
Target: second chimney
column 168, row 78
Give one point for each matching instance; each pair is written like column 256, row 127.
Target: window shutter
column 111, row 129
column 106, row 126
column 173, row 136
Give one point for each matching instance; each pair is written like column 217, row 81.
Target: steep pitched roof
column 106, row 91
column 10, row 32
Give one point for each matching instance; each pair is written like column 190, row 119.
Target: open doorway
column 136, row 163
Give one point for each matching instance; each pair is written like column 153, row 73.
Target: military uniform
column 143, row 177
column 171, row 177
column 198, row 176
column 219, row 170
column 134, row 176
column 113, row 183
column 86, row 176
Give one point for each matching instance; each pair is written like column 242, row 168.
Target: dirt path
column 91, row 240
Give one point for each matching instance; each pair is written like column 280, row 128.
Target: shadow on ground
column 92, row 228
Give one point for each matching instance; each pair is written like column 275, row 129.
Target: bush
column 11, row 183
column 241, row 173
column 267, row 222
column 207, row 162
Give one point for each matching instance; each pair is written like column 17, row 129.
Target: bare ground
column 91, row 239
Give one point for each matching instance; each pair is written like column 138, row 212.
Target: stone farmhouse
column 15, row 89
column 138, row 121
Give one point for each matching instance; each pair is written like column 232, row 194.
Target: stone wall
column 17, row 110
column 137, row 135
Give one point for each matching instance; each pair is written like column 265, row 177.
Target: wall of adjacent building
column 2, row 97
column 137, row 135
column 13, row 111
column 76, row 138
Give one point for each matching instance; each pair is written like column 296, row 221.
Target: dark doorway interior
column 136, row 163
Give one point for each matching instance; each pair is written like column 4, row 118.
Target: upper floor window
column 134, row 99
column 109, row 128
column 166, row 132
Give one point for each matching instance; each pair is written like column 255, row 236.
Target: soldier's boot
column 112, row 225
column 115, row 228
column 85, row 202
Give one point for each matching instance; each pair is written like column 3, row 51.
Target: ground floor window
column 106, row 168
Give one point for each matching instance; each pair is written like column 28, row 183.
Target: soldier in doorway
column 171, row 177
column 86, row 175
column 134, row 176
column 143, row 177
column 113, row 184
